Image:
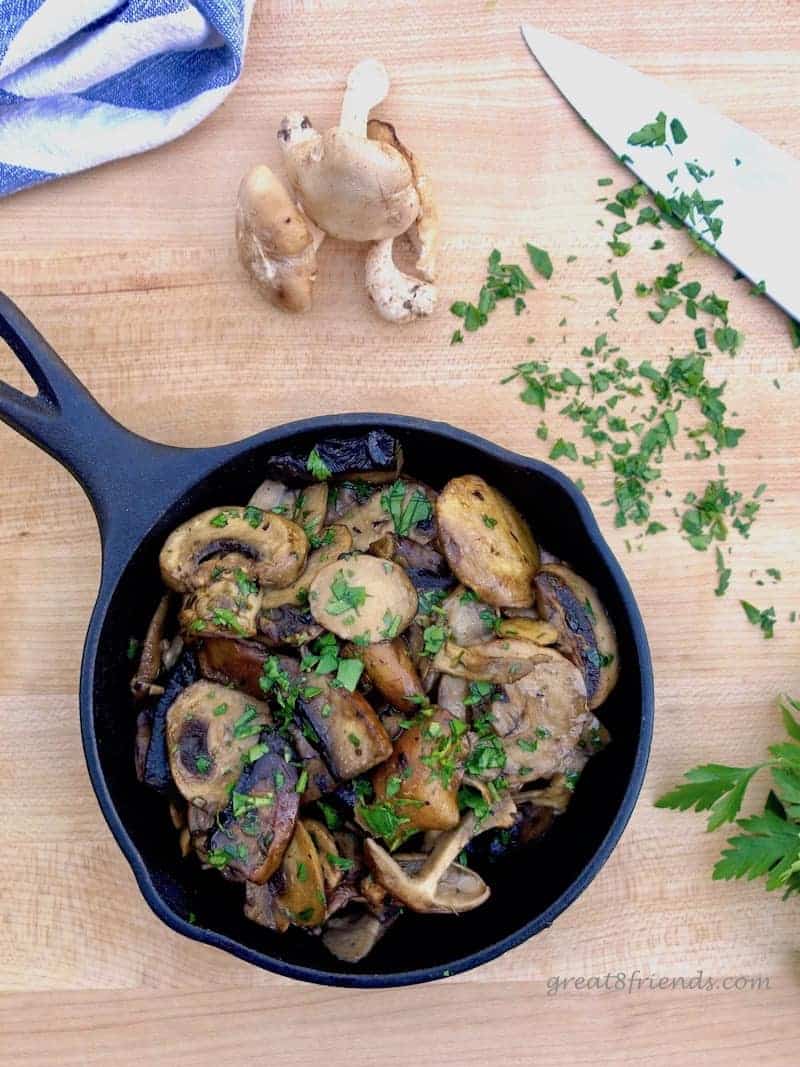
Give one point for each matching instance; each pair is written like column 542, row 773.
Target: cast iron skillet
column 140, row 491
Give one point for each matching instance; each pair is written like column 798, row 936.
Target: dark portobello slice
column 255, row 828
column 374, row 457
column 156, row 772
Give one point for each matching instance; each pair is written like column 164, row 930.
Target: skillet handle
column 129, row 480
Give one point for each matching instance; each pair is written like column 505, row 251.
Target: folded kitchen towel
column 86, row 81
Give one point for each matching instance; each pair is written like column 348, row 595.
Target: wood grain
column 130, row 272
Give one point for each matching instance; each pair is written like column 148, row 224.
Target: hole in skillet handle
column 529, row 887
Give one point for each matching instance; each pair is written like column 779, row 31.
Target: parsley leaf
column 540, row 261
column 712, row 786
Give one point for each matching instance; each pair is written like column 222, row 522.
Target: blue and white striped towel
column 86, row 81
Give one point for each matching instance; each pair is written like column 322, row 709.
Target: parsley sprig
column 769, row 846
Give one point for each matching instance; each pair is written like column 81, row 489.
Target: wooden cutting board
column 130, row 271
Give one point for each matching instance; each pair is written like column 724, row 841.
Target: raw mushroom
column 337, row 541
column 502, row 660
column 254, row 829
column 364, row 598
column 488, row 544
column 277, row 245
column 268, row 548
column 585, row 633
column 353, row 188
column 424, row 233
column 397, row 297
column 209, row 729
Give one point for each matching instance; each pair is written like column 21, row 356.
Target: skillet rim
column 112, row 571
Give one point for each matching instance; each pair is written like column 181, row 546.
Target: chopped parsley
column 345, row 597
column 765, row 619
column 405, row 515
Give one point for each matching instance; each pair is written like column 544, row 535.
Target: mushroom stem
column 397, row 296
column 367, row 86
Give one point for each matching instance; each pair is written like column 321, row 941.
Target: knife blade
column 758, row 184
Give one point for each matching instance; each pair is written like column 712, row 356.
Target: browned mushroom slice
column 542, row 719
column 350, row 732
column 333, row 865
column 392, row 671
column 226, row 606
column 209, row 730
column 150, row 658
column 411, row 555
column 310, row 510
column 267, row 548
column 287, row 625
column 254, row 830
column 536, row 630
column 300, row 885
column 487, row 542
column 238, row 663
column 363, row 598
column 585, row 633
column 352, row 936
column 469, row 620
column 451, row 695
column 344, row 496
column 501, row 661
column 260, row 907
column 418, row 785
column 405, row 508
column 275, row 497
column 144, row 731
column 336, row 541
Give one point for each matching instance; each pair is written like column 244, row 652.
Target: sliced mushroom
column 268, row 548
column 420, row 780
column 411, row 555
column 535, row 630
column 237, row 663
column 310, row 510
column 275, row 241
column 260, row 907
column 351, row 734
column 150, row 658
column 364, row 598
column 228, row 606
column 397, row 296
column 500, row 661
column 406, row 504
column 466, row 617
column 156, row 764
column 336, row 541
column 541, row 719
column 209, row 729
column 275, row 497
column 287, row 625
column 255, row 828
column 451, row 696
column 352, row 936
column 431, row 883
column 585, row 633
column 392, row 671
column 330, row 860
column 488, row 544
column 372, row 457
column 144, row 732
column 300, row 884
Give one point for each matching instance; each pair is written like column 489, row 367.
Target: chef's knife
column 758, row 184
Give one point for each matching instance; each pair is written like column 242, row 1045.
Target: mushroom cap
column 209, row 729
column 267, row 547
column 352, row 188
